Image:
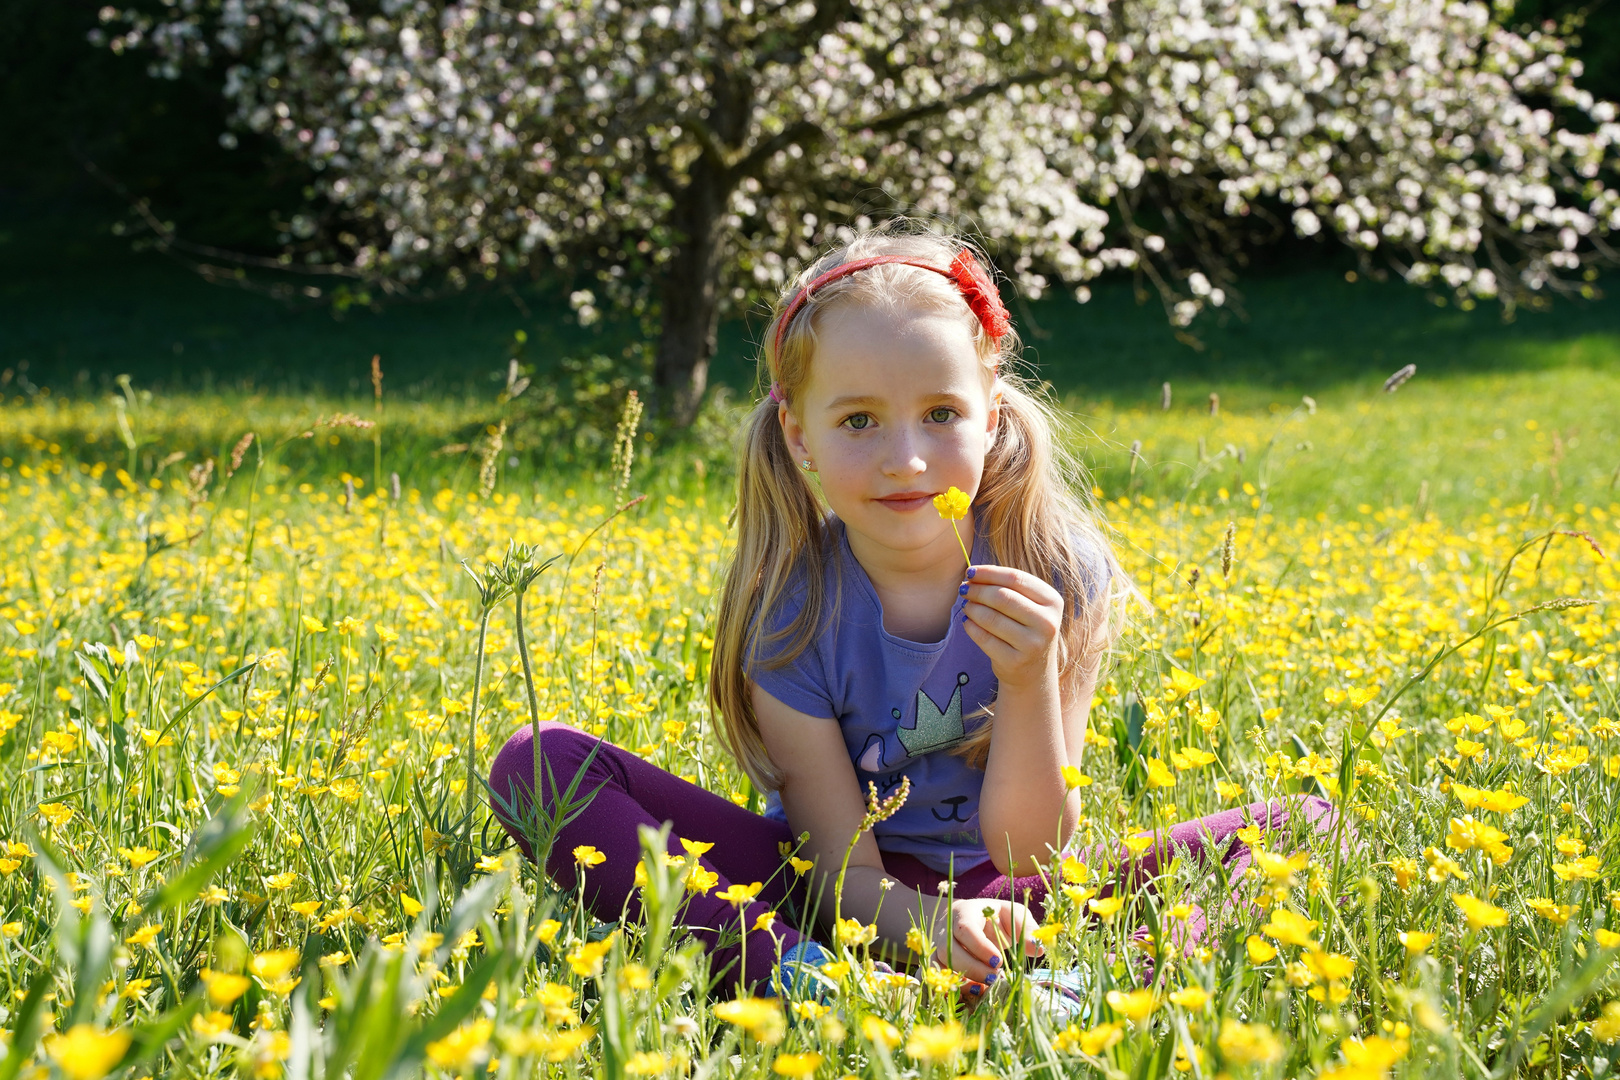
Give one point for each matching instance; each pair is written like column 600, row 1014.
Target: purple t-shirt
column 902, row 705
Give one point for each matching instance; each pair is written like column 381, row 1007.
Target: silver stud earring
column 805, row 464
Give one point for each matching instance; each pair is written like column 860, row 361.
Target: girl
column 865, row 640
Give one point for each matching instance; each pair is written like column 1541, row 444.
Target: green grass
column 183, row 703
column 284, row 691
column 78, row 307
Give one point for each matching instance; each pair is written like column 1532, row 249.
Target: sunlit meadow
column 250, row 688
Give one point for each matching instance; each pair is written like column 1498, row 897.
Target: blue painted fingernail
column 995, row 961
column 963, row 589
column 990, row 979
column 964, row 620
column 972, row 570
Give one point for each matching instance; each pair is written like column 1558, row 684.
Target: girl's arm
column 823, row 798
column 1025, row 811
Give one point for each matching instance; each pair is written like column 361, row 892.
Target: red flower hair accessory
column 969, row 277
column 981, row 294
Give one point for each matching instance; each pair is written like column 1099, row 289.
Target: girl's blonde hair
column 1033, row 502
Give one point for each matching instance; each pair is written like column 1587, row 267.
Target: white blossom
column 717, row 146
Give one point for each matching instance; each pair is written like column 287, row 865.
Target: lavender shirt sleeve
column 800, row 684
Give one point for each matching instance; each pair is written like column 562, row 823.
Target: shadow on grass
column 78, row 307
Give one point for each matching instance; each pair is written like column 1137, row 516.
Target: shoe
column 798, row 974
column 1064, row 997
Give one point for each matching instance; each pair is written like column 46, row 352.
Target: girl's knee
column 1314, row 810
column 557, row 743
column 563, row 749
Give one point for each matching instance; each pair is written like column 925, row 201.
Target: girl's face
column 897, row 410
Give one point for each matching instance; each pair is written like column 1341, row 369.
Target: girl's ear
column 792, row 432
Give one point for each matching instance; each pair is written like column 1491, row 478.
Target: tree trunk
column 690, row 296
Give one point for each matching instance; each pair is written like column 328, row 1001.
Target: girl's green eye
column 858, row 421
column 940, row 415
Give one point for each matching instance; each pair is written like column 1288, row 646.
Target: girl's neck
column 917, row 587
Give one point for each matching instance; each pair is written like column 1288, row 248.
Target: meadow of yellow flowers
column 246, row 711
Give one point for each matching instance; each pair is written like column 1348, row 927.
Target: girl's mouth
column 903, row 501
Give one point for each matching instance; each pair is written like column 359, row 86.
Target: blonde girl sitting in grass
column 865, row 640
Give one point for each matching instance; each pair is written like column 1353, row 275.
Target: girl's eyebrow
column 868, row 400
column 853, row 399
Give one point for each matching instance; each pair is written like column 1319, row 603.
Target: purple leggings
column 630, row 792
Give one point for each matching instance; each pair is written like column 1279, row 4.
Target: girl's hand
column 979, row 931
column 1014, row 617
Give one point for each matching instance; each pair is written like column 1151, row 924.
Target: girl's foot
column 1063, row 996
column 798, row 974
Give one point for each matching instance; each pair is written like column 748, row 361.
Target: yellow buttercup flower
column 1183, row 683
column 1479, row 913
column 1290, row 928
column 1135, row 1005
column 1606, row 1028
column 952, row 504
column 1191, row 998
column 145, row 935
column 1248, row 1044
column 1048, row 933
column 85, row 1052
column 1107, row 907
column 880, row 1032
column 270, row 966
column 1585, row 869
column 1159, row 774
column 139, row 855
column 796, row 1065
column 938, row 1043
column 740, row 895
column 1366, row 1058
column 463, row 1046
column 56, row 814
column 1555, row 913
column 585, row 959
column 1258, row 949
column 646, row 1063
column 224, row 987
column 1091, row 1042
column 761, row 1018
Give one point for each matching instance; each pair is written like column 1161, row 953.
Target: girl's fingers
column 1029, row 585
column 972, row 952
column 960, row 960
column 999, row 651
column 1014, row 605
column 1013, row 632
column 1020, row 924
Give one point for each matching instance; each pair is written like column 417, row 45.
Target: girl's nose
column 904, row 456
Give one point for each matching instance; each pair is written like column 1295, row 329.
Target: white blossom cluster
column 647, row 144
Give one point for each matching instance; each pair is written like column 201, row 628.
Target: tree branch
column 897, row 120
column 752, row 163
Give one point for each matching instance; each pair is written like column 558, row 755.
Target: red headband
column 976, row 287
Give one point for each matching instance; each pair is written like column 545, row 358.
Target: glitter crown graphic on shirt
column 936, row 728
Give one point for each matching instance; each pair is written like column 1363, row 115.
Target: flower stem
column 965, row 556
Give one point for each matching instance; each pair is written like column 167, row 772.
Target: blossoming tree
column 685, row 157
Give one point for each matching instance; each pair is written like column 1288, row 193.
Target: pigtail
column 1031, row 508
column 779, row 528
